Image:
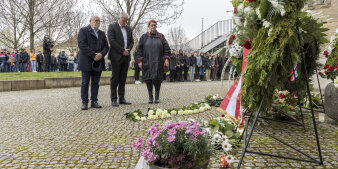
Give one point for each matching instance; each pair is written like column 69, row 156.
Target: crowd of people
column 192, row 66
column 21, row 61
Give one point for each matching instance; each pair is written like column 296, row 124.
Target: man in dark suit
column 121, row 41
column 93, row 47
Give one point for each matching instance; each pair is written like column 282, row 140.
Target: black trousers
column 63, row 67
column 157, row 84
column 86, row 76
column 137, row 71
column 179, row 73
column 119, row 77
column 40, row 67
column 47, row 61
column 186, row 69
column 172, row 75
column 197, row 73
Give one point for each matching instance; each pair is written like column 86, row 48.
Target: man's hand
column 126, row 52
column 166, row 63
column 98, row 56
column 140, row 65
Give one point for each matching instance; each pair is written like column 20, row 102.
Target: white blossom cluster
column 236, row 50
column 278, row 5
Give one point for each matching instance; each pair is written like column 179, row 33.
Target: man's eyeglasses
column 153, row 25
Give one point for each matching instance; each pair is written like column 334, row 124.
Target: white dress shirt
column 124, row 33
column 96, row 33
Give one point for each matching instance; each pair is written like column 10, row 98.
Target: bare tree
column 141, row 11
column 13, row 35
column 176, row 37
column 43, row 15
column 73, row 22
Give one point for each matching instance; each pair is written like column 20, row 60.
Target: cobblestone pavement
column 46, row 129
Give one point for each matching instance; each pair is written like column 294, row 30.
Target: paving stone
column 47, row 129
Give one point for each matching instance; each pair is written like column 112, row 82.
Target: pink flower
column 203, row 132
column 331, row 68
column 252, row 1
column 188, row 131
column 196, row 132
column 136, row 145
column 193, row 139
column 140, row 140
column 171, row 138
column 320, row 73
column 282, row 96
column 222, row 115
column 326, row 66
column 172, row 132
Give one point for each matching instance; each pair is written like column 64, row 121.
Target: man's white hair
column 123, row 15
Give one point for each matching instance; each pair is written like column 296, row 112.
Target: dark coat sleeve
column 139, row 55
column 83, row 44
column 113, row 41
column 105, row 49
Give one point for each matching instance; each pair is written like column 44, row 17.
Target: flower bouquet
column 283, row 106
column 214, row 100
column 331, row 65
column 176, row 145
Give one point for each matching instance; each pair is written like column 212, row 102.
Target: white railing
column 212, row 33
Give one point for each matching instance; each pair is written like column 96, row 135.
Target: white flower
column 274, row 3
column 226, row 146
column 196, row 111
column 137, row 117
column 333, row 38
column 225, row 139
column 135, row 114
column 180, row 112
column 173, row 112
column 270, row 31
column 159, row 112
column 258, row 13
column 143, row 118
column 337, row 30
column 151, row 112
column 282, row 12
column 229, row 159
column 248, row 10
column 266, row 24
column 216, row 138
column 240, row 7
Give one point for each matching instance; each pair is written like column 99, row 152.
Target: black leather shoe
column 124, row 101
column 157, row 101
column 114, row 103
column 150, row 101
column 84, row 106
column 95, row 105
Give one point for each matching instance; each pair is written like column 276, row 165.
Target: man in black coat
column 93, row 47
column 39, row 60
column 121, row 41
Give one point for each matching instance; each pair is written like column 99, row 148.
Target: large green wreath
column 275, row 51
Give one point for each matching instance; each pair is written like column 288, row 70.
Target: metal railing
column 212, row 33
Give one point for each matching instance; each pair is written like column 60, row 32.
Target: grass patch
column 43, row 75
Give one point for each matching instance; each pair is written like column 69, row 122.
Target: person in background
column 16, row 60
column 192, row 64
column 208, row 61
column 53, row 63
column 24, row 59
column 33, row 60
column 214, row 67
column 76, row 61
column 172, row 66
column 204, row 66
column 63, row 61
column 198, row 66
column 221, row 63
column 39, row 60
column 12, row 62
column 71, row 62
column 8, row 62
column 180, row 65
column 2, row 61
column 186, row 65
column 137, row 69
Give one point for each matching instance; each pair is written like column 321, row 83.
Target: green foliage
column 263, row 8
column 274, row 52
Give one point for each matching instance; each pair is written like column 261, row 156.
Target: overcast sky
column 191, row 19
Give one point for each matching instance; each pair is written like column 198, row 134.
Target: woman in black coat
column 152, row 56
